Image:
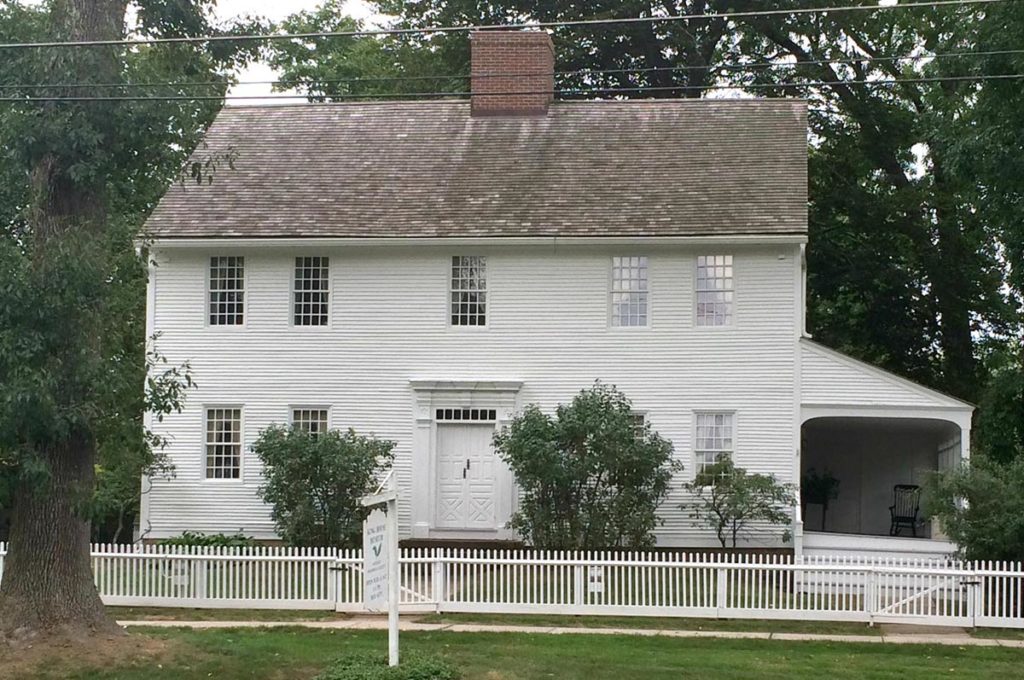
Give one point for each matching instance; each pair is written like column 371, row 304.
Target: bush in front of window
column 589, row 477
column 313, row 482
column 731, row 501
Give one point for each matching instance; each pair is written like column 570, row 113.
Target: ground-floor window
column 223, row 443
column 714, row 439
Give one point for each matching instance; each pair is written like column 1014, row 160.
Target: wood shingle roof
column 429, row 169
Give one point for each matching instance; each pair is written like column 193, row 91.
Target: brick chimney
column 507, row 64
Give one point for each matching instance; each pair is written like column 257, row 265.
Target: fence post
column 871, row 596
column 334, row 566
column 976, row 596
column 721, row 591
column 438, row 579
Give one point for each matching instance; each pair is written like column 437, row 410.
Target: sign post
column 380, row 558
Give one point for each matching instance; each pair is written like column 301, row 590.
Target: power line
column 560, row 92
column 756, row 67
column 526, row 25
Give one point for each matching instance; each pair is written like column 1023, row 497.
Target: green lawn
column 666, row 623
column 189, row 614
column 999, row 633
column 294, row 653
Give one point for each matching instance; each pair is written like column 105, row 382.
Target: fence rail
column 840, row 588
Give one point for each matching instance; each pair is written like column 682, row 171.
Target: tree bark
column 47, row 585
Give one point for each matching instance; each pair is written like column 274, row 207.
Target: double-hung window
column 468, row 302
column 714, row 290
column 311, row 291
column 312, row 421
column 223, row 443
column 629, row 291
column 227, row 291
column 714, row 439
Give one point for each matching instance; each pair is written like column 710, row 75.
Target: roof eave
column 326, row 241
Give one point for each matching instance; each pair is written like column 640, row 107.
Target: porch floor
column 819, row 544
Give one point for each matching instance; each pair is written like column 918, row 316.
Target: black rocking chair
column 906, row 502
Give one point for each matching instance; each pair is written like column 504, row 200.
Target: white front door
column 466, row 471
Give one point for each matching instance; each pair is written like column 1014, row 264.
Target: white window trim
column 448, row 298
column 694, row 451
column 611, row 292
column 241, row 453
column 693, row 308
column 245, row 296
column 292, row 408
column 330, row 296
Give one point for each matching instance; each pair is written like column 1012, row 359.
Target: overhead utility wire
column 527, row 25
column 562, row 92
column 753, row 67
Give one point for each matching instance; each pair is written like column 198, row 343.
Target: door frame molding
column 429, row 395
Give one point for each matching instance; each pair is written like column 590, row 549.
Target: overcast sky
column 274, row 10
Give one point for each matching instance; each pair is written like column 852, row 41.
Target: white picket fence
column 578, row 583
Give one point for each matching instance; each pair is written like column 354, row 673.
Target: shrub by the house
column 981, row 508
column 591, row 476
column 313, row 482
column 730, row 500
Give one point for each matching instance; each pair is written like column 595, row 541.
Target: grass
column 289, row 653
column 545, row 620
column 188, row 614
column 748, row 625
column 998, row 633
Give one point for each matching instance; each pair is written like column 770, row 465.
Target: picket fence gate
column 624, row 583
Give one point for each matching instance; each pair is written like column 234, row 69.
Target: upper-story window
column 629, row 291
column 468, row 291
column 223, row 443
column 714, row 290
column 227, row 291
column 311, row 291
column 312, row 421
column 714, row 439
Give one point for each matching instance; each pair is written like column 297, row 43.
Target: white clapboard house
column 420, row 270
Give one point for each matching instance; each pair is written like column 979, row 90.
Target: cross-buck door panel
column 466, row 471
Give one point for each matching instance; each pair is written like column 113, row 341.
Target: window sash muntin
column 715, row 436
column 226, row 291
column 223, row 442
column 313, row 420
column 630, row 291
column 311, row 284
column 467, row 302
column 715, row 290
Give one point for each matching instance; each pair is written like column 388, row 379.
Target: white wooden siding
column 828, row 377
column 547, row 327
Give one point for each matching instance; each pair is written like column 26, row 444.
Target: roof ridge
column 704, row 101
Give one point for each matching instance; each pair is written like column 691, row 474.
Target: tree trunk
column 48, row 584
